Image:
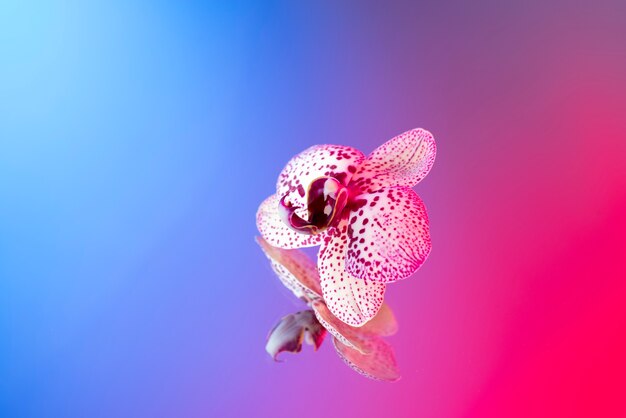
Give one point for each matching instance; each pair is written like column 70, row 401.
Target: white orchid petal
column 276, row 231
column 345, row 333
column 402, row 161
column 379, row 363
column 294, row 269
column 389, row 236
column 352, row 300
column 383, row 324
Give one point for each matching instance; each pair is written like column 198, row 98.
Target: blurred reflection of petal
column 291, row 330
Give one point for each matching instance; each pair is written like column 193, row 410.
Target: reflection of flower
column 361, row 348
column 372, row 227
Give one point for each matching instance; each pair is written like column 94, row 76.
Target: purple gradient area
column 137, row 140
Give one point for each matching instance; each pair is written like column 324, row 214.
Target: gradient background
column 138, row 138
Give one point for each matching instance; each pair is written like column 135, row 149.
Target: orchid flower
column 372, row 228
column 361, row 348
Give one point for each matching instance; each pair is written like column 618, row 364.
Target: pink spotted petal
column 402, row 161
column 379, row 363
column 343, row 332
column 276, row 232
column 352, row 300
column 291, row 330
column 389, row 235
column 383, row 324
column 335, row 161
column 294, row 269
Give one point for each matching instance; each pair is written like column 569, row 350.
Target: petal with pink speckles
column 294, row 269
column 337, row 161
column 345, row 333
column 352, row 300
column 379, row 363
column 383, row 324
column 389, row 237
column 276, row 232
column 402, row 161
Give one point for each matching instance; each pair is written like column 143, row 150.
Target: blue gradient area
column 120, row 207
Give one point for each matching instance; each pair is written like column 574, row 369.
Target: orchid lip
column 326, row 199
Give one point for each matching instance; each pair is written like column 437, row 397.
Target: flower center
column 326, row 198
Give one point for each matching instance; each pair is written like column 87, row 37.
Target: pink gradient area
column 564, row 333
column 535, row 254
